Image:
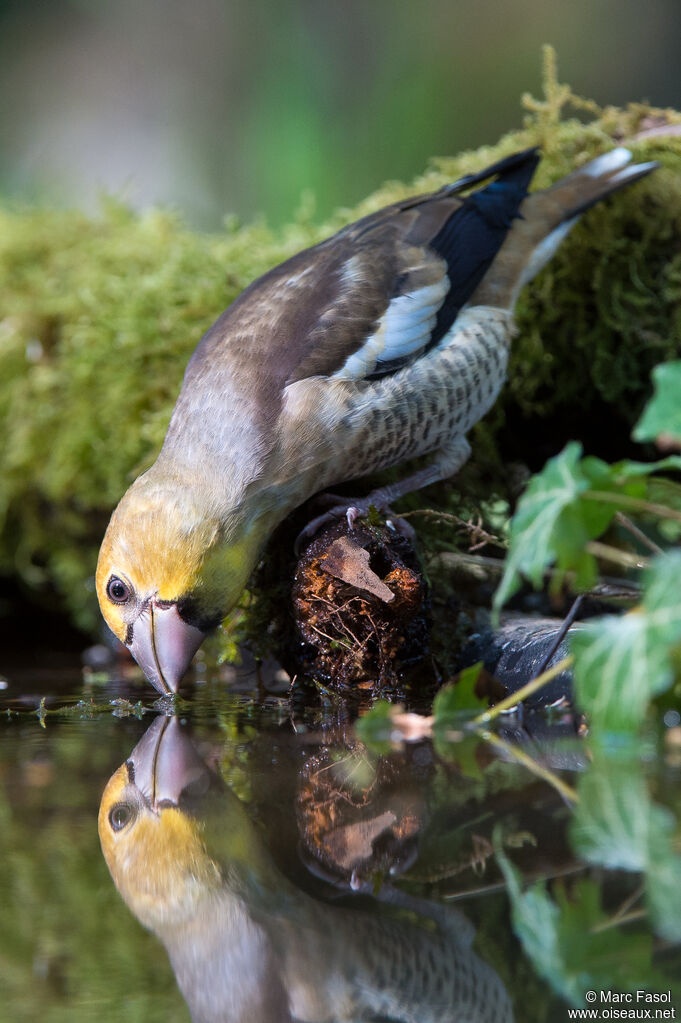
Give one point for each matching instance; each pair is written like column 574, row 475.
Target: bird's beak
column 165, row 764
column 163, row 646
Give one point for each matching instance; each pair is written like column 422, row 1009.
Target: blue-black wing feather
column 472, row 236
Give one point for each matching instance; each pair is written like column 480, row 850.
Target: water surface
column 348, row 869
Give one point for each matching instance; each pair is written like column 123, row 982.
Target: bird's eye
column 120, row 815
column 117, row 591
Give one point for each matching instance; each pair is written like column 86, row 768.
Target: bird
column 387, row 341
column 247, row 945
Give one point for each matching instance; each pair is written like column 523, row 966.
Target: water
column 257, row 837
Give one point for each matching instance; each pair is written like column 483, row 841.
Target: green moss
column 99, row 315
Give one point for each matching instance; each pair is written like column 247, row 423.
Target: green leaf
column 612, row 819
column 458, row 697
column 561, row 511
column 663, row 888
column 617, row 826
column 621, row 662
column 664, row 491
column 565, row 941
column 549, row 525
column 662, row 414
column 623, row 471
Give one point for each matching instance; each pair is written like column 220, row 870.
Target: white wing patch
column 607, row 163
column 403, row 331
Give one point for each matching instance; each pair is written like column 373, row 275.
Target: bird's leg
column 446, row 463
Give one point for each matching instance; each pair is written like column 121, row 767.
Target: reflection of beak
column 165, row 763
column 163, row 646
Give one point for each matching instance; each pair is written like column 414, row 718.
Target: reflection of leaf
column 617, row 826
column 375, row 727
column 563, row 942
column 622, row 661
column 387, row 725
column 462, row 752
column 662, row 414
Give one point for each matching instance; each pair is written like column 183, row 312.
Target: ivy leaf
column 549, row 524
column 623, row 473
column 571, row 501
column 458, row 697
column 567, row 943
column 612, row 820
column 663, row 491
column 662, row 415
column 621, row 662
column 617, row 826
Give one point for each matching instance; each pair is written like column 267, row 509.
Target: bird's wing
column 407, row 270
column 375, row 296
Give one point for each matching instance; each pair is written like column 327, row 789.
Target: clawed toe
column 401, row 526
column 351, row 513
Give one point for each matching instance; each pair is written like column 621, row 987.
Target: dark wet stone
column 515, row 653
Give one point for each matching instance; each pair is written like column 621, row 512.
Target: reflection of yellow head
column 245, row 944
column 156, row 856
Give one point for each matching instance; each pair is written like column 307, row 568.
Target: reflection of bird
column 387, row 341
column 246, row 946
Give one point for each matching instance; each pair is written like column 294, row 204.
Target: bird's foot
column 392, row 521
column 314, row 526
column 352, row 511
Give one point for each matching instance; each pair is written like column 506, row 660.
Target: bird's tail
column 546, row 217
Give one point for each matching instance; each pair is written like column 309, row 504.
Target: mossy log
column 99, row 316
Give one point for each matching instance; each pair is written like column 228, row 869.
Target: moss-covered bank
column 98, row 317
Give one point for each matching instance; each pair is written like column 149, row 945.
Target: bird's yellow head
column 168, row 572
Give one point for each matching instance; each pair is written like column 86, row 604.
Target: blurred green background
column 222, row 107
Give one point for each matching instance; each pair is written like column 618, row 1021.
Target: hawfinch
column 387, row 341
